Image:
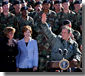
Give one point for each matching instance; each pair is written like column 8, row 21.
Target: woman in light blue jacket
column 27, row 59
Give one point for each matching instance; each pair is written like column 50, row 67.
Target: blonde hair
column 8, row 29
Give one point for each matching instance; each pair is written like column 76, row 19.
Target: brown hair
column 27, row 27
column 8, row 29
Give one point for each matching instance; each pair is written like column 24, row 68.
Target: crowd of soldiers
column 18, row 13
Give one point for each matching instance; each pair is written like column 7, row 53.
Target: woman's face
column 27, row 34
column 10, row 35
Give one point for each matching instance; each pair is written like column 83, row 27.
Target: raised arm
column 46, row 30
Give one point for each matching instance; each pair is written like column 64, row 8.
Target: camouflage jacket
column 5, row 21
column 58, row 43
column 22, row 22
column 65, row 16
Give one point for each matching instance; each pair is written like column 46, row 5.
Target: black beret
column 46, row 1
column 67, row 22
column 77, row 2
column 57, row 2
column 16, row 2
column 24, row 8
column 37, row 3
column 6, row 2
column 65, row 1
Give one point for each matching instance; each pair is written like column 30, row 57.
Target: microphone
column 65, row 52
column 60, row 51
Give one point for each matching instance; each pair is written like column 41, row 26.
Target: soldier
column 50, row 14
column 6, row 18
column 58, row 8
column 17, row 8
column 78, row 17
column 71, row 7
column 57, row 5
column 66, row 14
column 23, row 20
column 63, row 42
column 38, row 6
column 44, row 47
column 37, row 9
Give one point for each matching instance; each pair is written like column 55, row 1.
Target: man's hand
column 74, row 62
column 17, row 69
column 34, row 69
column 44, row 18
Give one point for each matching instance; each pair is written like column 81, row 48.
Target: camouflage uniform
column 5, row 21
column 78, row 20
column 44, row 46
column 65, row 16
column 22, row 22
column 78, row 37
column 17, row 16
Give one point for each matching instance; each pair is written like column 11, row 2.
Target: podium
column 63, row 64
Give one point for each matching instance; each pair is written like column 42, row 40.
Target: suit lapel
column 23, row 43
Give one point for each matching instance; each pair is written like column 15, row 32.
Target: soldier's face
column 27, row 34
column 38, row 7
column 24, row 12
column 65, row 5
column 57, row 6
column 10, row 35
column 46, row 6
column 17, row 7
column 6, row 8
column 65, row 34
column 77, row 6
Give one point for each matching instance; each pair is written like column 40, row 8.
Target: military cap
column 67, row 22
column 46, row 1
column 16, row 2
column 24, row 8
column 57, row 2
column 77, row 2
column 6, row 2
column 37, row 3
column 65, row 1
